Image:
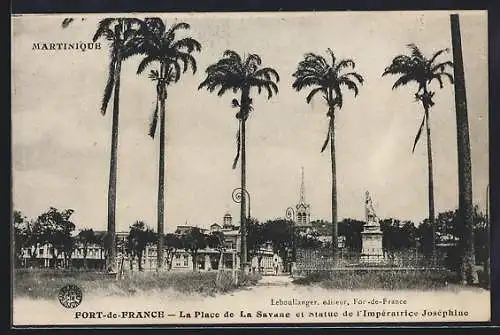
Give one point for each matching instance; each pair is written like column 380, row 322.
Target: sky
column 61, row 142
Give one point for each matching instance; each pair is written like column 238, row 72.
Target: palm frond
column 233, row 55
column 403, row 80
column 332, row 56
column 415, row 51
column 336, row 101
column 155, row 25
column 437, row 54
column 441, row 66
column 154, row 75
column 327, row 138
column 313, row 93
column 188, row 43
column 350, row 85
column 66, row 22
column 344, row 63
column 401, row 64
column 252, row 62
column 145, row 62
column 267, row 73
column 103, row 29
column 174, row 73
column 417, row 137
column 110, row 84
column 188, row 61
column 268, row 85
column 238, row 144
column 177, row 26
column 307, row 81
column 312, row 58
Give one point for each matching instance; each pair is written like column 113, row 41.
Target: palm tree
column 159, row 45
column 315, row 72
column 232, row 72
column 468, row 273
column 118, row 31
column 417, row 68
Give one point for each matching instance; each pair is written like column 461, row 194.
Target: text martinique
column 80, row 46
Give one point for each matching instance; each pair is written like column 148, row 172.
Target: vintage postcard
column 249, row 168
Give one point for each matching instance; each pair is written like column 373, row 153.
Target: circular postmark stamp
column 70, row 296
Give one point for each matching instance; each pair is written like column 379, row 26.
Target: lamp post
column 237, row 197
column 290, row 215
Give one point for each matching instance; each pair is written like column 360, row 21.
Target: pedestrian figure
column 276, row 264
column 255, row 263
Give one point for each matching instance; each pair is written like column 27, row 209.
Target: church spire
column 302, row 188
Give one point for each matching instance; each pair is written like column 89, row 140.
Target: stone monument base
column 372, row 251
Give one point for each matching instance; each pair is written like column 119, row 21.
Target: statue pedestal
column 371, row 242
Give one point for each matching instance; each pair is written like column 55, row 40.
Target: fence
column 310, row 260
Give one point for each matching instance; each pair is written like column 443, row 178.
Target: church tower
column 303, row 208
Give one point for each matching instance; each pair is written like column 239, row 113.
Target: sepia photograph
column 250, row 168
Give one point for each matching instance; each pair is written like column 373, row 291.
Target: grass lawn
column 45, row 283
column 377, row 279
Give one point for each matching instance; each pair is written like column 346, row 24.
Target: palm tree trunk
column 465, row 207
column 111, row 255
column 194, row 256
column 431, row 185
column 161, row 173
column 139, row 261
column 85, row 265
column 334, row 189
column 244, row 250
column 245, row 109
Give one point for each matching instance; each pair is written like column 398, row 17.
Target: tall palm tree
column 328, row 78
column 173, row 57
column 118, row 31
column 232, row 72
column 465, row 207
column 417, row 68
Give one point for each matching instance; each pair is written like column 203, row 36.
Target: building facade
column 207, row 258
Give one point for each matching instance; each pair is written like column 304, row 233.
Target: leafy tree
column 172, row 244
column 421, row 70
column 322, row 227
column 328, row 78
column 397, row 235
column 56, row 229
column 255, row 237
column 305, row 241
column 86, row 237
column 279, row 233
column 232, row 72
column 119, row 32
column 22, row 235
column 351, row 229
column 139, row 236
column 192, row 241
column 173, row 57
column 215, row 240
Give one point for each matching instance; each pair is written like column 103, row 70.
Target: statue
column 371, row 236
column 371, row 217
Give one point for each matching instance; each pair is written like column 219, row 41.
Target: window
column 185, row 262
column 40, row 252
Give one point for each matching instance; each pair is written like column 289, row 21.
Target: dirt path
column 273, row 299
